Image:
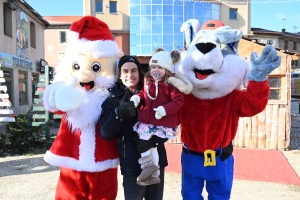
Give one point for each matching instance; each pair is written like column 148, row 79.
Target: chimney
column 283, row 30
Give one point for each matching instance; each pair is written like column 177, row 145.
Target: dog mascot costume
column 210, row 115
column 88, row 164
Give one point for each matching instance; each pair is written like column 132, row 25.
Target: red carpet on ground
column 250, row 164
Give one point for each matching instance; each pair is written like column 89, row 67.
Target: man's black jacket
column 111, row 126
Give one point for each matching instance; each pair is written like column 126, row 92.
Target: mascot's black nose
column 205, row 47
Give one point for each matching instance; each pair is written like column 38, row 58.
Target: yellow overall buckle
column 209, row 158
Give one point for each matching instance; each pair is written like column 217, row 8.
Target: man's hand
column 126, row 108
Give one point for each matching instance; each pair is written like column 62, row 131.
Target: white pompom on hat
column 91, row 35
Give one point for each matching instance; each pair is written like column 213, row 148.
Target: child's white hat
column 165, row 59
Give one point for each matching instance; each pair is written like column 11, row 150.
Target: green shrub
column 3, row 142
column 22, row 138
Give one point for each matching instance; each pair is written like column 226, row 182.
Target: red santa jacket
column 82, row 150
column 212, row 124
column 168, row 96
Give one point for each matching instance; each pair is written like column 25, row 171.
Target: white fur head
column 212, row 74
column 91, row 55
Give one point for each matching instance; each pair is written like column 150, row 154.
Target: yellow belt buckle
column 209, row 161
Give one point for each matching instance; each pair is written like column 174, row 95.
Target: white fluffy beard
column 231, row 76
column 87, row 115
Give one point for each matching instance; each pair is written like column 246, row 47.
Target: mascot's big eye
column 76, row 66
column 219, row 45
column 96, row 67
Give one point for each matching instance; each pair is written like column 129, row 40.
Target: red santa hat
column 89, row 34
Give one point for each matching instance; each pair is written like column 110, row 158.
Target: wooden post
column 261, row 130
column 281, row 129
column 254, row 128
column 47, row 125
column 241, row 141
column 248, row 131
column 274, row 129
column 236, row 138
column 268, row 125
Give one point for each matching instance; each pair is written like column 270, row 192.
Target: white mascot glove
column 65, row 96
column 136, row 100
column 160, row 112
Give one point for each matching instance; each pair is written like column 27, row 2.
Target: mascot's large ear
column 228, row 38
column 190, row 28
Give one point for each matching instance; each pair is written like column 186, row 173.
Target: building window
column 157, row 23
column 285, row 45
column 113, row 7
column 99, row 6
column 35, row 81
column 7, row 19
column 294, row 45
column 22, row 77
column 232, row 13
column 7, row 75
column 62, row 37
column 295, row 63
column 32, row 35
column 278, row 88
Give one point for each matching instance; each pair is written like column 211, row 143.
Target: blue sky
column 267, row 14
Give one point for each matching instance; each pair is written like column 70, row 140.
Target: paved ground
column 27, row 178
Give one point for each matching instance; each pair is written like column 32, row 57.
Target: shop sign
column 10, row 61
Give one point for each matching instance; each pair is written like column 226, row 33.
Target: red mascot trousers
column 75, row 185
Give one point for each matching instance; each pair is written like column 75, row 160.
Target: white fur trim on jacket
column 181, row 83
column 87, row 150
column 79, row 165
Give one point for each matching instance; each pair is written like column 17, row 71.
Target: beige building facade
column 140, row 26
column 21, row 48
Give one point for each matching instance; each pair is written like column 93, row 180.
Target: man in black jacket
column 117, row 119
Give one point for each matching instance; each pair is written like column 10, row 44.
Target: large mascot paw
column 263, row 65
column 65, row 96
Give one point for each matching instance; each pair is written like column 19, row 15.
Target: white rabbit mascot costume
column 210, row 114
column 88, row 164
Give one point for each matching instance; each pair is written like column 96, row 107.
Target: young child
column 159, row 103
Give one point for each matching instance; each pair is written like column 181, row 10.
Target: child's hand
column 136, row 99
column 160, row 112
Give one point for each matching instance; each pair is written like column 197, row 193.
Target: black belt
column 185, row 150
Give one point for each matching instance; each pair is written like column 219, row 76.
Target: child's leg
column 155, row 157
column 154, row 154
column 146, row 153
column 147, row 165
